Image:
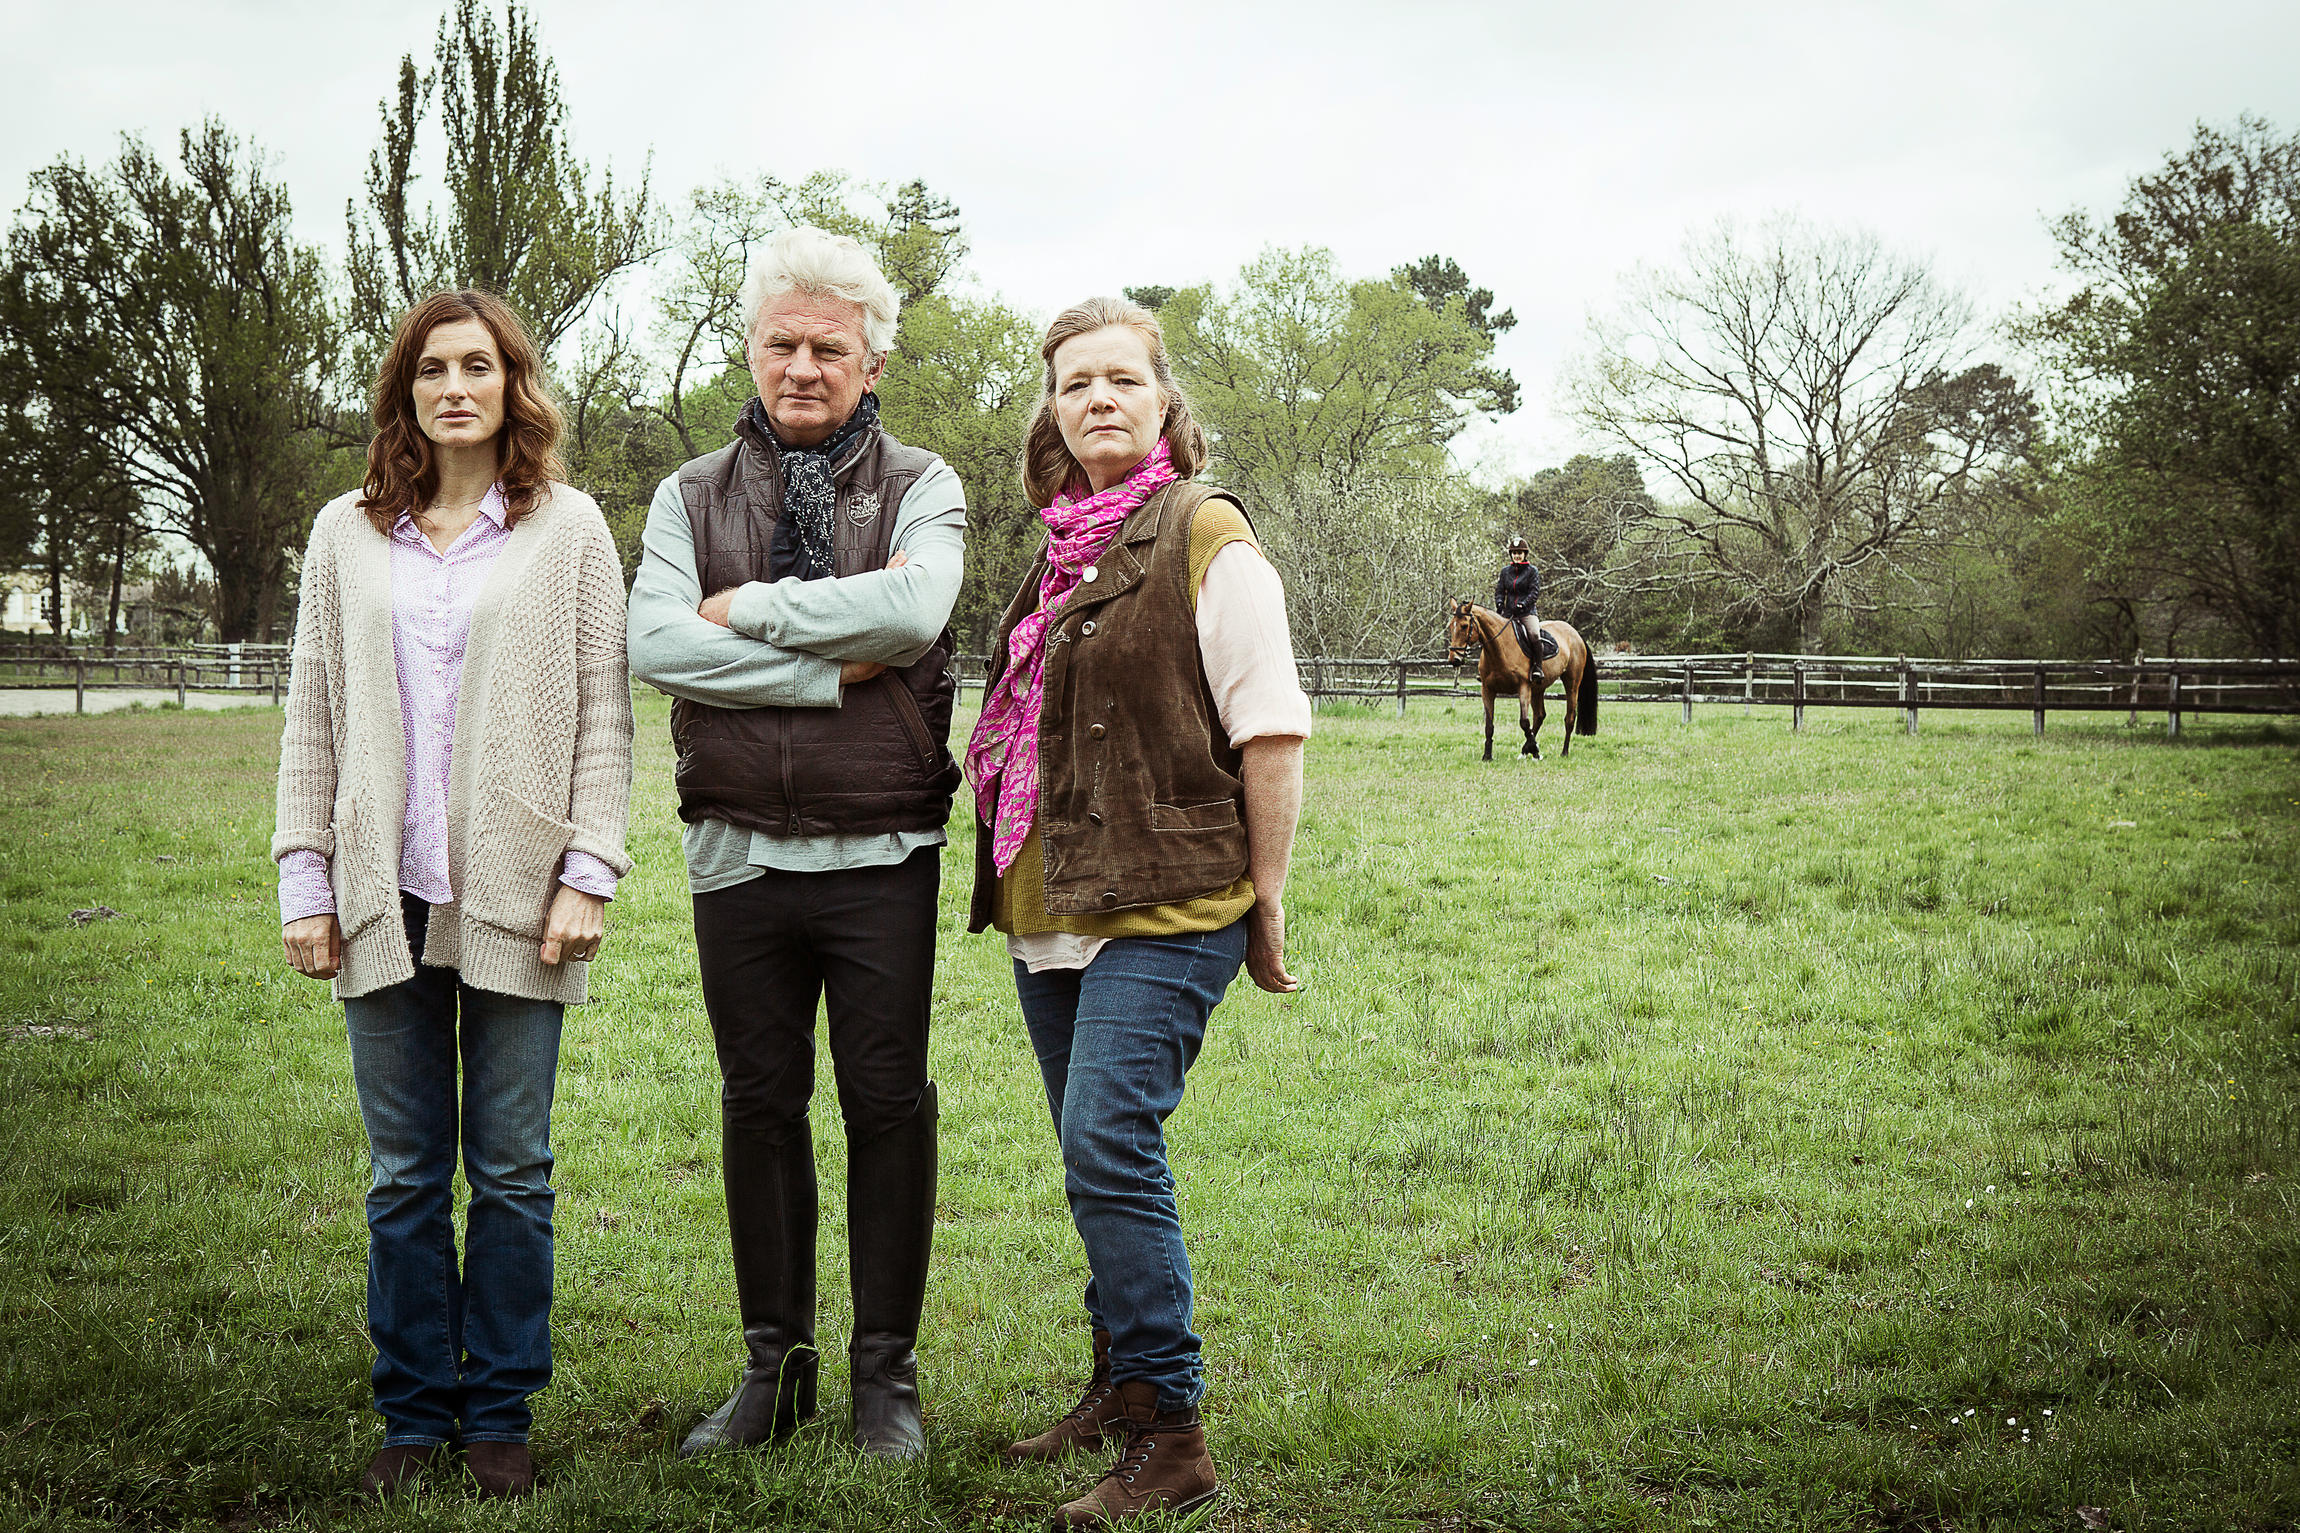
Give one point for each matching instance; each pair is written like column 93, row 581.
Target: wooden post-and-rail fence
column 258, row 671
column 2174, row 686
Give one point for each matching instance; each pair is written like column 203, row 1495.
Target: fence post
column 1797, row 698
column 1401, row 689
column 79, row 686
column 1909, row 693
column 2172, row 715
column 179, row 670
column 1748, row 681
column 1688, row 691
column 2039, row 716
column 2132, row 712
column 276, row 684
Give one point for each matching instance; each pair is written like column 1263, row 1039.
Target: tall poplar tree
column 517, row 213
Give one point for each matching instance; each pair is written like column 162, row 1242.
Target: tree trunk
column 1809, row 614
column 119, row 563
column 239, row 605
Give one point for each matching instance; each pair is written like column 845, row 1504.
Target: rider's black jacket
column 1515, row 591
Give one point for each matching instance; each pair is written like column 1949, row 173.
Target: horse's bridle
column 1456, row 654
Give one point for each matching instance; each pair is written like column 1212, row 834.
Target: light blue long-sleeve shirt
column 787, row 640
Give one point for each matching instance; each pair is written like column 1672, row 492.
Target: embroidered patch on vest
column 862, row 507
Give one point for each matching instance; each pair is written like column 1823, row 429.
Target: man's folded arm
column 675, row 649
column 892, row 616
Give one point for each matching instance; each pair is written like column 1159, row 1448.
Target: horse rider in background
column 1514, row 596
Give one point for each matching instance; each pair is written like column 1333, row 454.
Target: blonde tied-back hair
column 1047, row 466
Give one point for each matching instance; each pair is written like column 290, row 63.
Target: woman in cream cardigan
column 454, row 780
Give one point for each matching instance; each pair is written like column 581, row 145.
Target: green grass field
column 1718, row 1128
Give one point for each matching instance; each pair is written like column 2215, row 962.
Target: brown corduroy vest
column 881, row 761
column 1141, row 796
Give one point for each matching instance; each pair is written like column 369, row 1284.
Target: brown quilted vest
column 1141, row 796
column 880, row 761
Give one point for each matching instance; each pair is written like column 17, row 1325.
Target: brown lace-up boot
column 505, row 1471
column 400, row 1468
column 1162, row 1466
column 1088, row 1426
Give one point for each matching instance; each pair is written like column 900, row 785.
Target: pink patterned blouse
column 432, row 595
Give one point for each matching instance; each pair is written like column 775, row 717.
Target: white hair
column 822, row 265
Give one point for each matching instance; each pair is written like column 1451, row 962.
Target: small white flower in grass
column 1991, row 1187
column 2048, row 1413
column 2012, row 1421
column 1968, row 1413
column 1968, row 1202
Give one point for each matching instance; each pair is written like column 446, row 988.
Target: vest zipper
column 913, row 722
column 790, row 793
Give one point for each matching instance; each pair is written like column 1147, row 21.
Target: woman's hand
column 314, row 946
column 575, row 927
column 1266, row 948
column 1273, row 772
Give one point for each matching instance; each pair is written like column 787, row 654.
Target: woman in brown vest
column 1137, row 774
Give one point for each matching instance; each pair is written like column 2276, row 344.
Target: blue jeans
column 1114, row 1040
column 457, row 1353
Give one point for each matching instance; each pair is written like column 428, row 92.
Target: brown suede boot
column 400, row 1468
column 505, row 1471
column 1091, row 1421
column 1162, row 1467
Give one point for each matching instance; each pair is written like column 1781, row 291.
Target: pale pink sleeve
column 582, row 871
column 304, row 888
column 1246, row 649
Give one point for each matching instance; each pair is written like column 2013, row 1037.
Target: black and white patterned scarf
column 810, row 485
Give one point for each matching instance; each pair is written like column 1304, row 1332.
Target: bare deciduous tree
column 1371, row 563
column 1816, row 404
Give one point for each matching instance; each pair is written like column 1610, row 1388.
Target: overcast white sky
column 1547, row 147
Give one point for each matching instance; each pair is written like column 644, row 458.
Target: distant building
column 26, row 605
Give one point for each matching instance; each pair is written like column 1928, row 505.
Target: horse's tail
column 1585, row 706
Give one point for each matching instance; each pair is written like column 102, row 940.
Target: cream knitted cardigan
column 542, row 754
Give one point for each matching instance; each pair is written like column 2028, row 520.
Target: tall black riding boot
column 771, row 1214
column 890, row 1224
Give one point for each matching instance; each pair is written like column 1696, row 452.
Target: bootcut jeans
column 457, row 1352
column 1114, row 1040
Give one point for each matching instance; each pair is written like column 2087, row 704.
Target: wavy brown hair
column 402, row 465
column 1047, row 466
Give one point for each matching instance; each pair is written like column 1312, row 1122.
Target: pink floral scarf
column 1002, row 757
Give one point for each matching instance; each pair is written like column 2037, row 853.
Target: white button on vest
column 1092, row 574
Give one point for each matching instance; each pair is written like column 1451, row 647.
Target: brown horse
column 1503, row 665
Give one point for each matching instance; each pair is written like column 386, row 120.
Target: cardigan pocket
column 363, row 895
column 511, row 884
